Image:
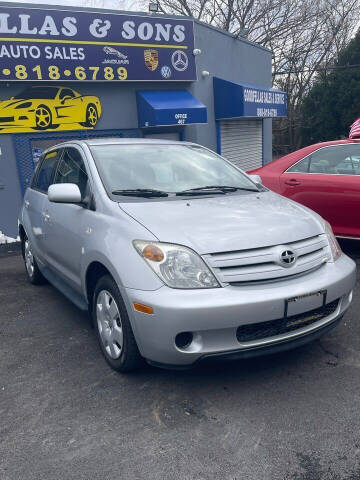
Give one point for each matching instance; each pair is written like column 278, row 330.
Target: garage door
column 242, row 142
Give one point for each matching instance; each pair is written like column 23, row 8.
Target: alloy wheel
column 109, row 324
column 43, row 117
column 92, row 116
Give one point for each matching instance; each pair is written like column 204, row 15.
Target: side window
column 336, row 160
column 36, row 171
column 66, row 92
column 325, row 160
column 349, row 163
column 71, row 169
column 300, row 167
column 45, row 171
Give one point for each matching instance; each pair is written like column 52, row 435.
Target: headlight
column 333, row 243
column 175, row 265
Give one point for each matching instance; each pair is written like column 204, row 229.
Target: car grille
column 6, row 119
column 257, row 331
column 262, row 264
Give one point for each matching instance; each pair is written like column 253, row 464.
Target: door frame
column 23, row 147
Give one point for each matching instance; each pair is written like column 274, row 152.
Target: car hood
column 226, row 223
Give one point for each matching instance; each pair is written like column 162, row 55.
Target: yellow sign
column 44, row 108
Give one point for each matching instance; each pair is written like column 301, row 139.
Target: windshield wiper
column 208, row 189
column 141, row 192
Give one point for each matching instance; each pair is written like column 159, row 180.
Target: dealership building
column 68, row 73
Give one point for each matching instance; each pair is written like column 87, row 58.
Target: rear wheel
column 113, row 328
column 33, row 273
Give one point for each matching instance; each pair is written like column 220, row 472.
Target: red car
column 325, row 177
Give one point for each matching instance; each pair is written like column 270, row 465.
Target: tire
column 112, row 325
column 91, row 117
column 43, row 118
column 32, row 270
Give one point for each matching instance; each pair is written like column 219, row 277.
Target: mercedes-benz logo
column 287, row 258
column 179, row 60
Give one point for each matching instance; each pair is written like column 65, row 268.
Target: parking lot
column 66, row 415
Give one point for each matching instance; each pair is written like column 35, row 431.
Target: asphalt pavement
column 64, row 414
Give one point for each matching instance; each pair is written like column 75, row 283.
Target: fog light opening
column 183, row 340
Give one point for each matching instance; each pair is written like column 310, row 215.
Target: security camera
column 196, row 51
column 153, row 7
column 205, row 73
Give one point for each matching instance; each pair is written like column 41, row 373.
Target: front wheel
column 43, row 118
column 33, row 272
column 113, row 328
column 91, row 116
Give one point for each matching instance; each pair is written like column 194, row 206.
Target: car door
column 66, row 223
column 328, row 182
column 70, row 107
column 34, row 218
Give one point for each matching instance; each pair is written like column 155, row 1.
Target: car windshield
column 169, row 168
column 37, row 92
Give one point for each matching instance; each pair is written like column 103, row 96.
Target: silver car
column 178, row 255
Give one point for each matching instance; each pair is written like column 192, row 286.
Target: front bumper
column 214, row 315
column 18, row 120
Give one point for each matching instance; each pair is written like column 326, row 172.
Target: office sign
column 63, row 45
column 158, row 108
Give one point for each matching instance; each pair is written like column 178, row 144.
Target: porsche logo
column 151, row 59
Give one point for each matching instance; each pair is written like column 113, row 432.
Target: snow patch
column 5, row 239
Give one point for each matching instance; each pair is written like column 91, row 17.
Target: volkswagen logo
column 287, row 258
column 165, row 71
column 179, row 60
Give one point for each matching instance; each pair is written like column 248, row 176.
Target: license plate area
column 300, row 305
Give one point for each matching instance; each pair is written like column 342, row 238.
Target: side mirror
column 64, row 193
column 256, row 178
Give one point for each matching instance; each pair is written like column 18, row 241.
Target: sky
column 112, row 4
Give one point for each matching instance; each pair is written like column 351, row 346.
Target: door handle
column 292, row 182
column 27, row 203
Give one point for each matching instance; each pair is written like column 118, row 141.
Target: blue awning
column 233, row 100
column 169, row 107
